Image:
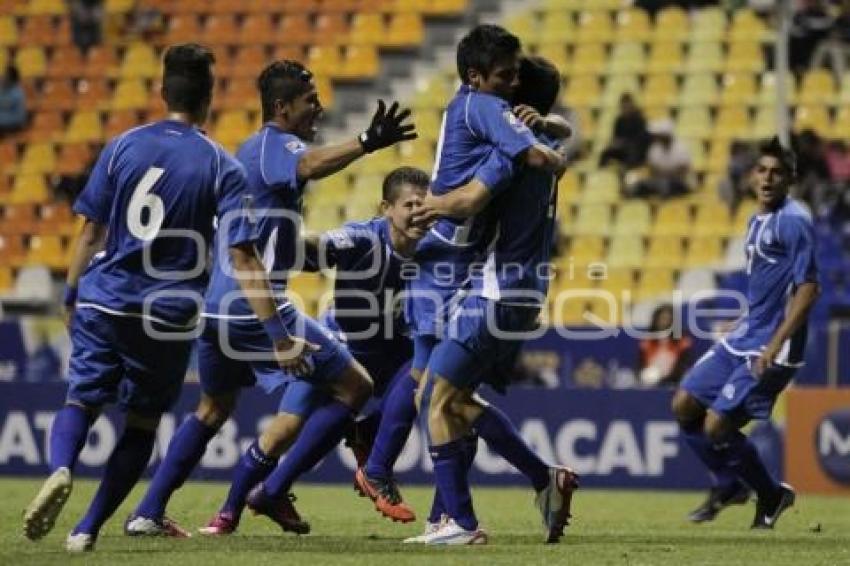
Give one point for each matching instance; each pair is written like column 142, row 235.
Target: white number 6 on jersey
column 142, row 199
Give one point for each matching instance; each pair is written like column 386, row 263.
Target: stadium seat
column 619, row 282
column 85, row 126
column 46, row 126
column 660, row 91
column 331, row 190
column 66, row 64
column 181, row 28
column 841, row 124
column 818, row 87
column 655, row 282
column 524, row 25
column 615, row 87
column 73, row 158
column 119, row 7
column 738, row 89
column 732, row 122
column 418, row 153
column 745, row 211
column 626, row 251
column 8, row 31
column 46, row 7
column 38, row 30
column 699, row 90
column 359, row 63
column 404, row 30
column 665, row 59
column 30, row 188
column 812, row 118
column 594, row 27
column 18, row 219
column 768, row 88
column 747, row 26
column 764, row 125
column 718, row 158
column 119, row 121
column 367, row 29
column 232, row 127
column 712, row 219
column 633, row 25
column 139, row 62
column 704, row 57
column 703, row 252
column 101, row 61
column 57, row 94
column 588, row 59
column 665, row 251
column 582, row 91
column 745, row 56
column 12, row 249
column 257, row 29
column 6, row 278
column 601, row 187
column 673, row 219
column 129, row 94
column 592, row 220
column 708, row 25
column 324, row 60
column 556, row 27
column 671, row 24
column 31, row 62
column 331, row 28
column 220, row 29
column 46, row 250
column 627, row 58
column 38, row 158
column 694, row 122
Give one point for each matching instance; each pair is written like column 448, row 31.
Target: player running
column 232, row 351
column 740, row 377
column 486, row 332
column 131, row 320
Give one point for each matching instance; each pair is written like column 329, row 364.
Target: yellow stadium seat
column 764, row 126
column 712, row 219
column 718, row 158
column 627, row 58
column 118, row 7
column 747, row 26
column 232, row 127
column 447, row 7
column 812, row 118
column 660, row 91
column 417, row 153
column 405, row 30
column 696, row 148
column 616, row 86
column 632, row 219
column 46, row 250
column 7, row 280
column 582, row 91
column 380, row 163
column 665, row 252
column 360, row 62
column 325, row 90
column 593, row 220
column 673, row 219
column 85, row 126
column 708, row 25
column 745, row 211
column 594, row 27
column 361, row 209
column 655, row 282
column 30, row 188
column 51, row 7
column 768, row 87
column 586, row 249
column 818, row 87
column 38, row 158
column 8, row 31
column 601, row 187
column 139, row 61
column 322, row 216
column 523, row 25
column 367, row 28
column 694, row 122
column 589, row 59
column 556, row 27
column 324, row 59
column 561, row 5
column 841, row 124
column 671, row 24
column 745, row 56
column 130, row 94
column 732, row 122
column 556, row 53
column 330, row 190
column 434, row 93
column 633, row 25
column 699, row 90
column 305, row 290
column 844, row 93
column 619, row 282
column 31, row 62
column 569, row 192
column 626, row 251
column 705, row 251
column 704, row 57
column 665, row 58
column 738, row 89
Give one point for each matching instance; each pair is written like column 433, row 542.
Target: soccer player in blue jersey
column 740, row 377
column 232, row 347
column 135, row 286
column 486, row 331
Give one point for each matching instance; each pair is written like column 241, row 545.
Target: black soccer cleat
column 768, row 512
column 717, row 500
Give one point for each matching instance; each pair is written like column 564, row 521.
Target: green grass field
column 623, row 528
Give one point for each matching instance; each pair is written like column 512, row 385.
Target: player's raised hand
column 528, row 116
column 388, row 127
column 294, row 355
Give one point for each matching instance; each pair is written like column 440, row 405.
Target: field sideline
column 623, row 528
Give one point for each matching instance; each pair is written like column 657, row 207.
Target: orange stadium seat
column 46, row 126
column 247, row 63
column 56, row 219
column 66, row 64
column 101, row 61
column 331, row 28
column 220, row 30
column 38, row 30
column 55, row 95
column 73, row 158
column 226, row 6
column 257, row 28
column 12, row 249
column 18, row 219
column 119, row 121
column 240, row 94
column 296, row 29
column 92, row 94
column 181, row 28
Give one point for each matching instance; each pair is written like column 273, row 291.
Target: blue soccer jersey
column 270, row 158
column 158, row 188
column 515, row 269
column 475, row 127
column 780, row 248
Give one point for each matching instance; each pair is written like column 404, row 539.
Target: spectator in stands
column 734, row 187
column 838, row 160
column 836, row 48
column 810, row 25
column 664, row 358
column 669, row 162
column 630, row 139
column 86, row 22
column 13, row 106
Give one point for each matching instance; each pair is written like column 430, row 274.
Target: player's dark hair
column 403, row 176
column 187, row 77
column 784, row 155
column 483, row 47
column 282, row 80
column 539, row 83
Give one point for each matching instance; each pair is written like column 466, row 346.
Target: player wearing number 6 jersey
column 149, row 208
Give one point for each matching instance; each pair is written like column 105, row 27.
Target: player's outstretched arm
column 388, row 127
column 798, row 311
column 90, row 241
column 292, row 353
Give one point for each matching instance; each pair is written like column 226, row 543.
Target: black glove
column 386, row 128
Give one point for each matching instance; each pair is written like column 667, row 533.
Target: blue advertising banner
column 612, row 438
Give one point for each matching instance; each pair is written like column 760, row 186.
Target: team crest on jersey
column 728, row 391
column 295, row 146
column 511, row 118
column 340, row 239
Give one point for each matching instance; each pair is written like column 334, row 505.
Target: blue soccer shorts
column 723, row 382
column 114, row 359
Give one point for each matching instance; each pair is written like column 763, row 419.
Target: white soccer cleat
column 145, row 527
column 80, row 542
column 450, row 533
column 554, row 502
column 40, row 515
column 430, row 528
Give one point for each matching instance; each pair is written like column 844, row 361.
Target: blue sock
column 126, row 464
column 68, row 436
column 253, row 467
column 438, row 509
column 450, row 474
column 743, row 458
column 186, row 449
column 399, row 413
column 722, row 476
column 504, row 439
column 322, row 431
